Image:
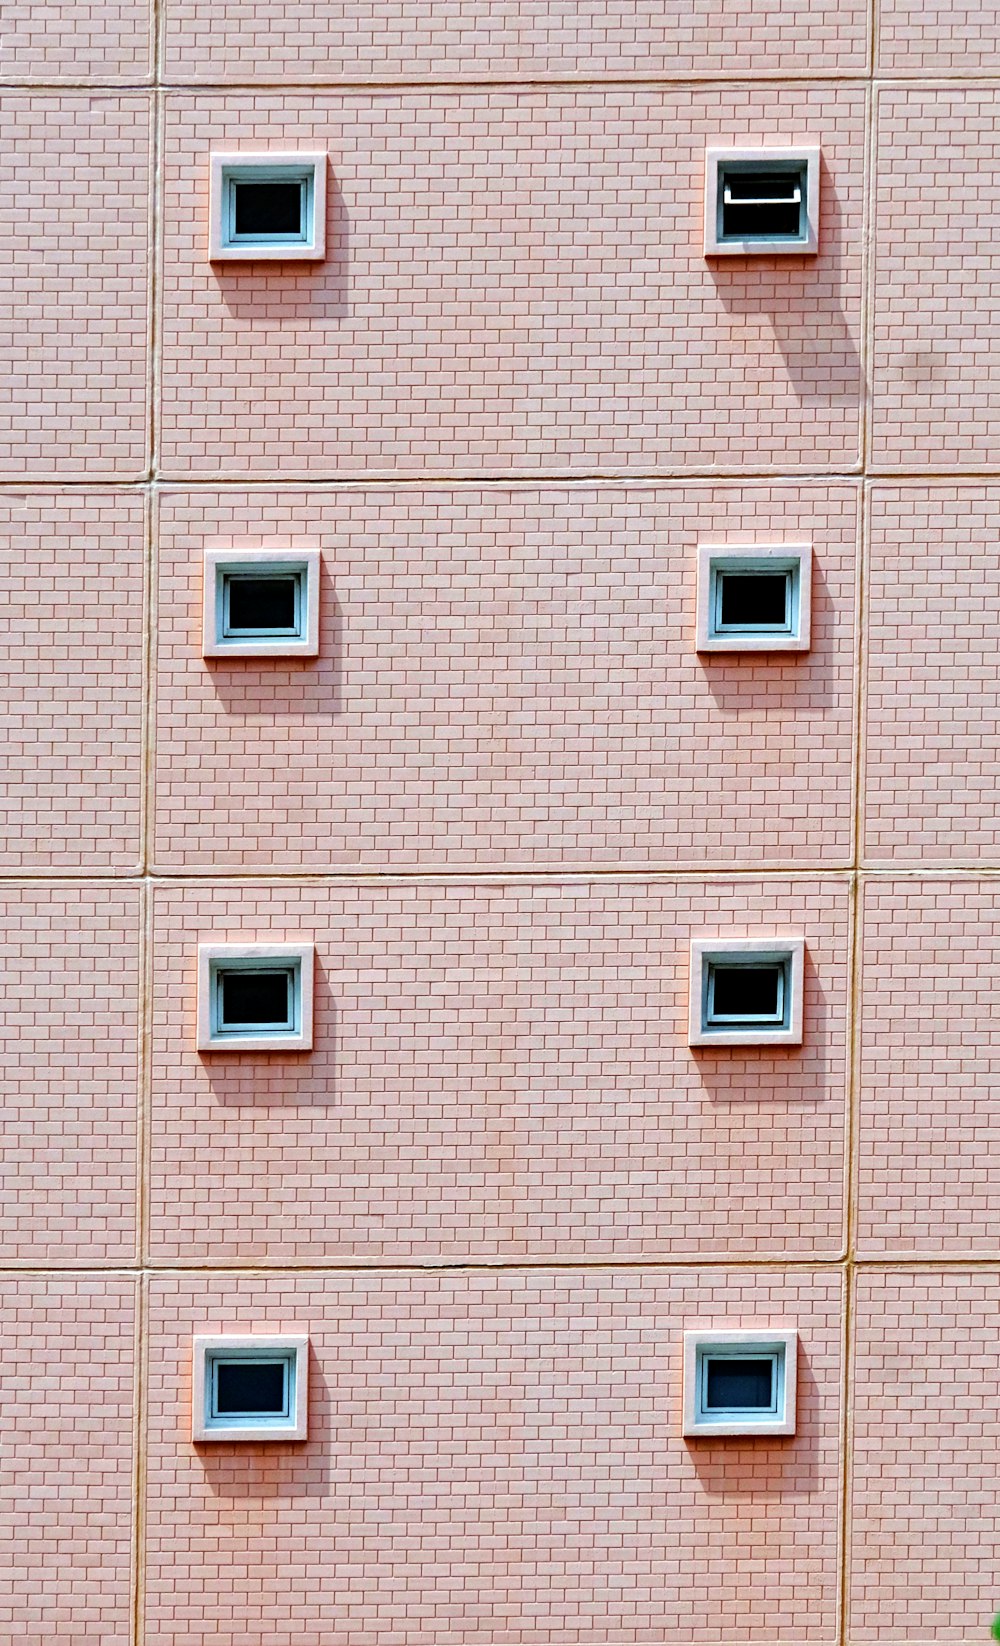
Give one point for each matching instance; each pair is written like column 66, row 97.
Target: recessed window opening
column 734, row 1383
column 740, row 1381
column 753, row 602
column 754, row 599
column 267, row 208
column 274, row 210
column 260, row 602
column 753, row 993
column 250, row 1388
column 746, row 991
column 255, row 999
column 267, row 205
column 246, row 1389
column 762, row 203
column 262, row 605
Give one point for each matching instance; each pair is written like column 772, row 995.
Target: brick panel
column 915, row 38
column 929, row 1147
column 304, row 40
column 71, row 599
column 76, row 39
column 498, row 1070
column 514, row 283
column 926, row 1530
column 932, row 786
column 66, row 1466
column 68, row 1072
column 505, row 678
column 492, row 1459
column 73, row 218
column 936, row 379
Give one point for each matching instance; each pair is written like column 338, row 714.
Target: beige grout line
column 141, row 1362
column 854, row 1012
column 626, row 874
column 744, row 1263
column 541, row 80
column 146, row 822
column 179, row 485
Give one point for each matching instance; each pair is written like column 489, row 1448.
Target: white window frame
column 707, row 952
column 208, row 1350
column 216, row 958
column 227, row 169
column 715, row 559
column 222, row 563
column 806, row 155
column 755, row 1343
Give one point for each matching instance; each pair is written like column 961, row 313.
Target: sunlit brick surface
column 73, row 39
column 932, row 789
column 506, row 408
column 499, row 1070
column 69, row 1071
column 930, row 1134
column 71, row 595
column 944, row 37
column 313, row 39
column 73, row 216
column 513, row 284
column 936, row 380
column 66, row 1463
column 506, row 677
column 926, row 1529
column 493, row 1459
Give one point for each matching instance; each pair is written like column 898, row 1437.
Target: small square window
column 754, row 599
column 267, row 206
column 746, row 992
column 255, row 997
column 250, row 1388
column 740, row 1382
column 261, row 603
column 761, row 201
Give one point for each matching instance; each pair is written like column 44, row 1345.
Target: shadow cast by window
column 750, row 685
column 273, row 690
column 764, row 1468
column 248, row 1473
column 284, row 293
column 801, row 296
column 269, row 1080
column 802, row 1075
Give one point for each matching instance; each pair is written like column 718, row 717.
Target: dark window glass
column 245, row 1386
column 262, row 602
column 733, row 1385
column 757, row 185
column 746, row 991
column 755, row 600
column 268, row 208
column 255, row 997
column 780, row 217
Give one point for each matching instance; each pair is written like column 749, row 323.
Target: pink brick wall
column 492, row 1457
column 505, row 678
column 507, row 408
column 329, row 39
column 70, row 1071
column 66, row 1470
column 71, row 598
column 923, row 1502
column 515, row 284
column 480, row 1048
